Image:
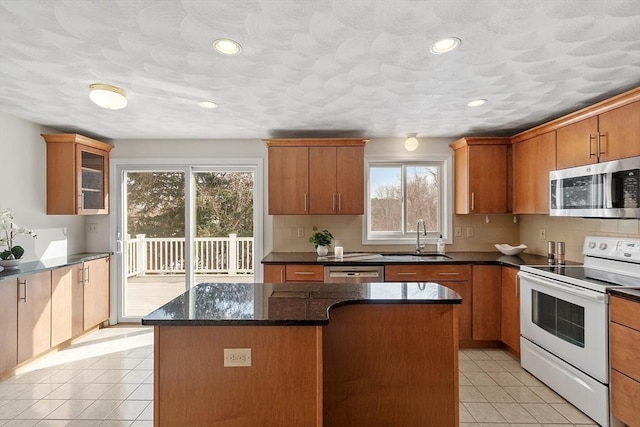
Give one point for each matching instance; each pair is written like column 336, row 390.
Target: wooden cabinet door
column 66, row 303
column 323, row 198
column 619, row 132
column 288, row 180
column 350, row 180
column 8, row 324
column 34, row 315
column 96, row 292
column 92, row 180
column 487, row 179
column 274, row 273
column 533, row 160
column 487, row 300
column 465, row 319
column 577, row 143
column 510, row 312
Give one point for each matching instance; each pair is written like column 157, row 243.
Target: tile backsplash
column 478, row 235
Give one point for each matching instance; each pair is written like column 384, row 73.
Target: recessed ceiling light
column 476, row 102
column 445, row 45
column 227, row 46
column 207, row 104
column 108, row 96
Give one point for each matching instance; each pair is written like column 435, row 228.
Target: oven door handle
column 570, row 289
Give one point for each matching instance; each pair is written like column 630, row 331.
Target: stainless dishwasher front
column 353, row 274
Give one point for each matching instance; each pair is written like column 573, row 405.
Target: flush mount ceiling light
column 445, row 45
column 207, row 104
column 107, row 96
column 476, row 102
column 411, row 143
column 227, row 46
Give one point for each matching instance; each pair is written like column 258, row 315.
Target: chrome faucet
column 424, row 233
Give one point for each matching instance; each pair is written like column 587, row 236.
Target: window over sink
column 400, row 192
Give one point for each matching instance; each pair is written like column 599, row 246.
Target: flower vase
column 10, row 264
column 322, row 250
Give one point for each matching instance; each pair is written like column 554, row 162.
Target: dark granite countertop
column 626, row 293
column 302, row 304
column 50, row 264
column 364, row 258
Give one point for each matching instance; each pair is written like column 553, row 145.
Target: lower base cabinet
column 34, row 315
column 487, row 281
column 67, row 303
column 96, row 292
column 8, row 324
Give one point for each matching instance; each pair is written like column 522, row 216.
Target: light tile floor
column 106, row 379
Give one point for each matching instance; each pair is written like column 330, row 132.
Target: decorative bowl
column 510, row 250
column 10, row 264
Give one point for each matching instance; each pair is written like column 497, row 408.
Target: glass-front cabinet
column 77, row 175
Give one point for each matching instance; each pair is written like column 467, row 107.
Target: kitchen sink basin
column 416, row 257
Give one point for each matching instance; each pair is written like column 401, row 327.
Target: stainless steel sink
column 424, row 257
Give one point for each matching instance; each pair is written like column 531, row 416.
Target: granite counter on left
column 321, row 355
column 51, row 263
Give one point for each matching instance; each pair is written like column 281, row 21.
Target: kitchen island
column 320, row 354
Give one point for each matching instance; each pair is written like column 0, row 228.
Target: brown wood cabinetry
column 8, row 324
column 608, row 136
column 274, row 273
column 456, row 277
column 624, row 344
column 481, row 175
column 316, row 176
column 34, row 314
column 67, row 305
column 533, row 159
column 487, row 300
column 96, row 292
column 304, row 273
column 77, row 175
column 510, row 310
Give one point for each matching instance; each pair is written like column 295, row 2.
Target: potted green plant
column 322, row 240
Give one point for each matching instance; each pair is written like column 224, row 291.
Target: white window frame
column 445, row 207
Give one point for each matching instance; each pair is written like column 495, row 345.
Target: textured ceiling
column 313, row 67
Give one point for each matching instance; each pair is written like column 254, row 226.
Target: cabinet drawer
column 625, row 312
column 624, row 398
column 625, row 347
column 304, row 273
column 422, row 273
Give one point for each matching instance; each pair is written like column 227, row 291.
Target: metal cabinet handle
column 444, row 273
column 473, row 201
column 599, row 145
column 23, row 282
column 333, row 200
column 306, row 202
column 517, row 286
column 406, row 273
column 282, row 275
column 591, row 138
column 304, row 273
column 339, row 202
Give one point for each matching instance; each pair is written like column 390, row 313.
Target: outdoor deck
column 146, row 293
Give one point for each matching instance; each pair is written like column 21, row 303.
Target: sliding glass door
column 181, row 225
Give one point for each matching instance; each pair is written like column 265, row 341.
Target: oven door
column 566, row 320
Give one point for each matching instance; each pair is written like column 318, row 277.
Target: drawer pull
column 304, row 273
column 406, row 273
column 448, row 274
column 24, row 298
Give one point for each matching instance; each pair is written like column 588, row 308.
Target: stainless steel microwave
column 601, row 190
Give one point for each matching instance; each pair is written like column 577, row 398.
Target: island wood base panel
column 372, row 365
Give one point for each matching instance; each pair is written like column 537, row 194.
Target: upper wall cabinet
column 316, row 176
column 608, row 136
column 77, row 175
column 481, row 175
column 533, row 159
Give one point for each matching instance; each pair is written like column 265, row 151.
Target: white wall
column 23, row 189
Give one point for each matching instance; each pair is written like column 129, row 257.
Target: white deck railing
column 212, row 255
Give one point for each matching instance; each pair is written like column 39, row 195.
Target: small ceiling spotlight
column 445, row 45
column 207, row 104
column 476, row 102
column 108, row 96
column 411, row 143
column 227, row 46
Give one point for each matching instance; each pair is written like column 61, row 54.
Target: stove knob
column 592, row 245
column 603, row 246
